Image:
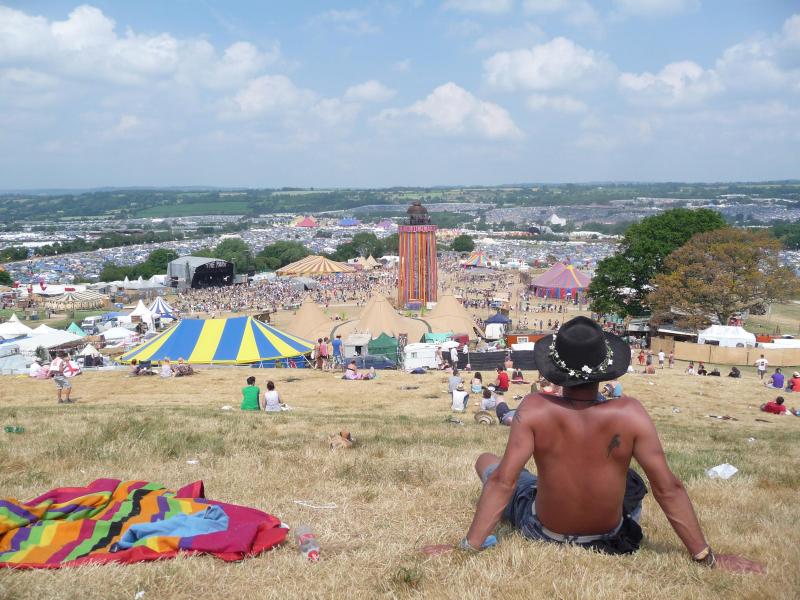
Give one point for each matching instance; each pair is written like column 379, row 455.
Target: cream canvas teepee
column 379, row 316
column 310, row 322
column 450, row 316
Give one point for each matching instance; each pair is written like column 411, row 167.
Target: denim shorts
column 61, row 382
column 521, row 513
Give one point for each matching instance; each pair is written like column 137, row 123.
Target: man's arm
column 673, row 499
column 500, row 485
column 667, row 488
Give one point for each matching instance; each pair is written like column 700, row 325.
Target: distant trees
column 155, row 264
column 280, row 254
column 788, row 234
column 720, row 274
column 363, row 244
column 5, row 278
column 621, row 282
column 13, row 254
column 463, row 243
column 236, row 251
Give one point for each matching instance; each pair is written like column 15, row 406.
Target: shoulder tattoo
column 614, row 443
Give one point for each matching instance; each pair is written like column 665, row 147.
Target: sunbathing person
column 351, row 372
column 584, row 493
column 517, row 377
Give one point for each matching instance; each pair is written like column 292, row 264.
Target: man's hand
column 738, row 564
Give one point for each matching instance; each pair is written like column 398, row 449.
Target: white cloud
column 452, row 110
column 353, row 22
column 489, row 7
column 656, row 8
column 268, row 95
column 126, row 125
column 565, row 104
column 678, row 83
column 369, row 91
column 579, row 13
column 557, row 64
column 86, row 46
column 766, row 63
column 511, row 37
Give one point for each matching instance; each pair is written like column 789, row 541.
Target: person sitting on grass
column 460, row 398
column 137, row 369
column 182, row 369
column 690, row 369
column 775, row 407
column 794, row 383
column 477, row 383
column 585, row 494
column 250, row 395
column 166, row 369
column 488, row 401
column 735, row 373
column 454, row 381
column 701, row 369
column 272, row 400
column 715, row 372
column 775, row 380
column 502, row 381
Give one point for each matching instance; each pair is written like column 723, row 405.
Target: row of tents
column 242, row 340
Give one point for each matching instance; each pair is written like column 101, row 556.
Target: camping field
column 408, row 482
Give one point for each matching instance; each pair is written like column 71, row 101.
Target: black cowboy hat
column 581, row 352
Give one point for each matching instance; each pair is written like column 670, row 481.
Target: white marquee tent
column 727, row 336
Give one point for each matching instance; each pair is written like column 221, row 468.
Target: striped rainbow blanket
column 114, row 521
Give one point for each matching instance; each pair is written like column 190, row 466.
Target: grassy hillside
column 408, row 482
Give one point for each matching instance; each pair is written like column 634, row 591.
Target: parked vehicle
column 378, row 362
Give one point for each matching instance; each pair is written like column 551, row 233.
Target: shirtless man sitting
column 584, row 493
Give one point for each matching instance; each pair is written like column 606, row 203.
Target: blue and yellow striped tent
column 234, row 341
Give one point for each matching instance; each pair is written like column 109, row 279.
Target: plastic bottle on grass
column 307, row 542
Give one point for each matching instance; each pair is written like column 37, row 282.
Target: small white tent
column 13, row 328
column 117, row 333
column 727, row 336
column 89, row 350
column 143, row 313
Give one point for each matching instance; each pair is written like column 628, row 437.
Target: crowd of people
column 284, row 292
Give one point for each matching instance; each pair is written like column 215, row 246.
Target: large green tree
column 622, row 281
column 720, row 274
column 236, row 251
column 160, row 258
column 280, row 254
column 463, row 243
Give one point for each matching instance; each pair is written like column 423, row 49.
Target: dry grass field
column 408, row 482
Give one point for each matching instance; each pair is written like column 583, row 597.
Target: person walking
column 56, row 371
column 761, row 366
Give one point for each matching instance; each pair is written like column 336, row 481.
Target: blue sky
column 397, row 92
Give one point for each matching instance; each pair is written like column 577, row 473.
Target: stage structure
column 417, row 277
column 199, row 272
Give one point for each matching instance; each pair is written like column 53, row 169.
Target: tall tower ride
column 418, row 277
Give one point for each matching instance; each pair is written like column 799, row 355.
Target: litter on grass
column 723, row 471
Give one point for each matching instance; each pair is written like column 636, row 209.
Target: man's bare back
column 582, row 452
